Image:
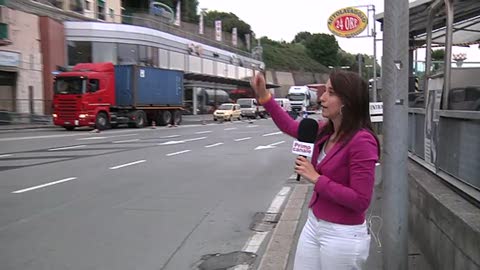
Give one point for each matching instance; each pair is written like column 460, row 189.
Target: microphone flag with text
column 307, row 134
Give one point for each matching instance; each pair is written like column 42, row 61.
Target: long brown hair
column 353, row 92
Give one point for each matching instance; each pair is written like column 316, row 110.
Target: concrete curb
column 277, row 252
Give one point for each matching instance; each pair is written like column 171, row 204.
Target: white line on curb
column 45, row 185
column 128, row 164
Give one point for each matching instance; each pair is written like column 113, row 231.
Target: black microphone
column 307, row 134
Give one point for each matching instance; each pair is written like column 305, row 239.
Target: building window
column 112, row 13
column 101, row 9
column 88, row 5
column 76, row 6
column 79, row 52
column 127, row 54
column 104, row 52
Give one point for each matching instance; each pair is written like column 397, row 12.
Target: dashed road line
column 213, row 145
column 178, row 153
column 243, row 139
column 127, row 141
column 271, row 134
column 45, row 185
column 203, row 132
column 6, row 155
column 127, row 164
column 67, row 148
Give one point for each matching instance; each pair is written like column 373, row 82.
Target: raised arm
column 280, row 117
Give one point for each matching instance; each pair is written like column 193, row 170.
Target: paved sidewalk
column 280, row 250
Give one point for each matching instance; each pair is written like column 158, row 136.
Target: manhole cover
column 220, row 261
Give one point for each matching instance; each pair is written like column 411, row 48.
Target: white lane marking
column 230, row 128
column 252, row 126
column 178, row 153
column 127, row 141
column 4, row 156
column 170, row 136
column 128, row 164
column 278, row 201
column 171, row 142
column 92, row 138
column 270, row 146
column 213, row 145
column 124, row 135
column 203, row 132
column 243, row 139
column 38, row 137
column 277, row 143
column 195, row 139
column 67, row 148
column 271, row 134
column 45, row 185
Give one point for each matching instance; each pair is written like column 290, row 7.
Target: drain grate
column 225, row 261
column 264, row 222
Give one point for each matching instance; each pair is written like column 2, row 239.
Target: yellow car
column 227, row 111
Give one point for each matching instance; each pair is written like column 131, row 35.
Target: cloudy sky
column 280, row 21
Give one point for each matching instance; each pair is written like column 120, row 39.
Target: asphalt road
column 135, row 198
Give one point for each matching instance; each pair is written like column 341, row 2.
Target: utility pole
column 395, row 68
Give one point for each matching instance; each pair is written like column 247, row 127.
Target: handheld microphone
column 307, row 134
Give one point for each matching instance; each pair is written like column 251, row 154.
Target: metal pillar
column 374, row 92
column 195, row 92
column 395, row 91
column 448, row 53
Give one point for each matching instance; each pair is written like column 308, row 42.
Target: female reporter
column 342, row 170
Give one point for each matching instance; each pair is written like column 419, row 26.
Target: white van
column 250, row 108
column 284, row 103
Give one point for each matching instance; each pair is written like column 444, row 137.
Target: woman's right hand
column 259, row 86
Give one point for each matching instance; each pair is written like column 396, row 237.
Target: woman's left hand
column 306, row 169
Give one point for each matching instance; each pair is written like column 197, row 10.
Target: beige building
column 21, row 83
column 105, row 10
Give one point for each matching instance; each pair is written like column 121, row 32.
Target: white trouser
column 328, row 246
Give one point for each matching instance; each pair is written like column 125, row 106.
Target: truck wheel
column 69, row 128
column 140, row 119
column 164, row 118
column 101, row 122
column 177, row 117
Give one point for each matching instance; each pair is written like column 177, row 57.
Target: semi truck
column 103, row 95
column 302, row 97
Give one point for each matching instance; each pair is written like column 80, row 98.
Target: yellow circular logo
column 347, row 22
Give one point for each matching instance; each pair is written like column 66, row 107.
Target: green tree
column 229, row 21
column 438, row 55
column 323, row 48
column 302, row 37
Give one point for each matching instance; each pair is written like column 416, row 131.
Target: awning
column 466, row 24
column 221, row 80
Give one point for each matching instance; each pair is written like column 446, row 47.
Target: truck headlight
column 54, row 115
column 82, row 116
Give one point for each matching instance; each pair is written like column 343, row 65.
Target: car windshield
column 69, row 85
column 245, row 103
column 225, row 107
column 297, row 97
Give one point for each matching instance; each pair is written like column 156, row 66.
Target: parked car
column 227, row 111
column 251, row 109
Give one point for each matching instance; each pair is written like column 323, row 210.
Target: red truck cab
column 83, row 96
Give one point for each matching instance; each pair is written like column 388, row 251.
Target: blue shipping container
column 148, row 86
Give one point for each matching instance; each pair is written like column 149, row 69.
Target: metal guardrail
column 457, row 141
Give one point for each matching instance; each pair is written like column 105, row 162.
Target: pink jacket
column 344, row 190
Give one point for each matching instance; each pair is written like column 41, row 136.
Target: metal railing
column 25, row 111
